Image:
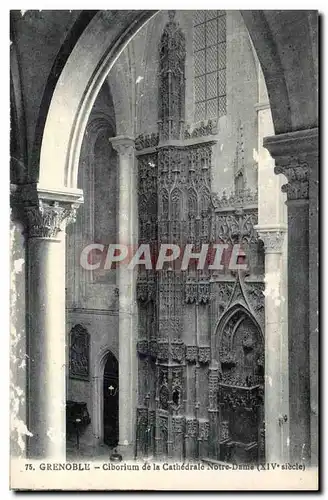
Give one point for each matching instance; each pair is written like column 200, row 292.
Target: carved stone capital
column 48, row 218
column 272, row 237
column 298, row 179
column 125, row 146
column 295, row 154
column 44, row 211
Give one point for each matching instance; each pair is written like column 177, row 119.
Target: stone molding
column 294, row 154
column 272, row 237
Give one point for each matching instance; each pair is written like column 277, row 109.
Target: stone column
column 46, row 324
column 275, row 411
column 127, row 224
column 272, row 216
column 296, row 155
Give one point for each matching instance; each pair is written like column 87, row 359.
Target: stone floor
column 101, row 452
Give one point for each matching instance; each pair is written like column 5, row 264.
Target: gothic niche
column 176, row 396
column 240, row 394
column 164, row 394
column 176, row 390
column 79, row 353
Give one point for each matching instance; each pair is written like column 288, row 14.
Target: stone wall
column 92, row 299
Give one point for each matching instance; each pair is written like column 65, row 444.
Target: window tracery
column 210, row 64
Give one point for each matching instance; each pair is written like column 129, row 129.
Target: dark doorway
column 111, row 401
column 241, row 391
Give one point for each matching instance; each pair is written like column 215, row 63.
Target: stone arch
column 192, row 202
column 98, row 391
column 230, row 313
column 105, row 46
column 239, row 348
column 102, row 121
column 121, row 86
column 98, row 124
column 176, row 203
column 239, row 352
column 204, row 197
column 293, row 105
column 18, row 140
column 164, row 204
column 268, row 55
column 59, row 63
column 71, row 104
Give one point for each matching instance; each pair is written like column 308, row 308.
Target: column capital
column 48, row 218
column 294, row 154
column 46, row 212
column 124, row 145
column 272, row 237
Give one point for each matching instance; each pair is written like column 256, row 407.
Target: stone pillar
column 296, row 155
column 272, row 217
column 275, row 344
column 127, row 235
column 46, row 325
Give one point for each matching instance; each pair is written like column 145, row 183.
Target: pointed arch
column 204, row 201
column 57, row 161
column 164, row 204
column 98, row 390
column 237, row 312
column 176, row 204
column 192, row 203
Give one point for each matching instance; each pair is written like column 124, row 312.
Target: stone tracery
column 188, row 211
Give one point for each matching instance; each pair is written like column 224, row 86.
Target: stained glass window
column 210, row 64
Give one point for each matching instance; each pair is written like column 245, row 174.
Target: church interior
column 165, row 128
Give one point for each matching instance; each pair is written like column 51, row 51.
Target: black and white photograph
column 164, row 249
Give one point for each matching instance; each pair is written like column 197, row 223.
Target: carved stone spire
column 172, row 55
column 171, row 14
column 239, row 162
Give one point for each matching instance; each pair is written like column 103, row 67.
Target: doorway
column 110, row 416
column 241, row 390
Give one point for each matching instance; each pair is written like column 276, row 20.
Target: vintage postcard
column 164, row 249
